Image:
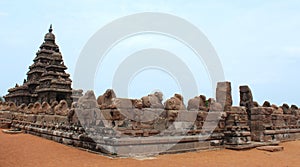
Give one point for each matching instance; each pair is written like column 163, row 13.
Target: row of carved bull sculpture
column 109, row 101
column 56, row 108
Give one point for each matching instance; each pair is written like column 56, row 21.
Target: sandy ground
column 30, row 151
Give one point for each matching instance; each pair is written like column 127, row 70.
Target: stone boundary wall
column 132, row 127
column 271, row 124
column 184, row 127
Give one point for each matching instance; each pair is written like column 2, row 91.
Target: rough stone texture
column 237, row 131
column 46, row 78
column 61, row 108
column 175, row 103
column 131, row 126
column 246, row 99
column 223, row 95
column 87, row 106
column 198, row 103
column 105, row 101
column 286, row 109
column 153, row 100
column 266, row 104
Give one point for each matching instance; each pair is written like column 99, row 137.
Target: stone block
column 148, row 115
column 67, row 141
column 103, row 114
column 189, row 116
column 223, row 94
column 262, row 111
column 201, row 116
column 271, row 148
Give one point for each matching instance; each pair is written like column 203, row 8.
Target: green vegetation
column 206, row 103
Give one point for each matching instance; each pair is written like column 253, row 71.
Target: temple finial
column 50, row 29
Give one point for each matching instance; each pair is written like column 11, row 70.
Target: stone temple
column 45, row 106
column 47, row 80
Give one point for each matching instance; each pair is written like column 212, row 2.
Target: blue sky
column 258, row 42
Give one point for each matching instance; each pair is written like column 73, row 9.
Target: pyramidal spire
column 50, row 29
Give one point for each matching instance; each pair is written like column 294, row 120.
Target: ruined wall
column 272, row 124
column 147, row 126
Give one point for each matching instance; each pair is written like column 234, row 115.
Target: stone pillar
column 237, row 132
column 246, row 99
column 261, row 122
column 223, row 95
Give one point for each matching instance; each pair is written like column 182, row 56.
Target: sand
column 29, row 151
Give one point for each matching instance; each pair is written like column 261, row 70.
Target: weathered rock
column 62, row 108
column 137, row 103
column 46, row 108
column 294, row 110
column 286, row 109
column 12, row 107
column 255, row 104
column 53, row 105
column 175, row 103
column 37, row 107
column 278, row 110
column 87, row 107
column 197, row 103
column 122, row 103
column 105, row 101
column 22, row 108
column 29, row 109
column 172, row 115
column 266, row 104
column 246, row 99
column 216, row 107
column 71, row 115
column 194, row 103
column 223, row 94
column 153, row 100
column 294, row 107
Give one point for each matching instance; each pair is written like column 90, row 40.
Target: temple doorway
column 60, row 97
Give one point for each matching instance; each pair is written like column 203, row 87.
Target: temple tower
column 46, row 78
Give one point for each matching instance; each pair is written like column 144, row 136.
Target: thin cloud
column 3, row 14
column 292, row 50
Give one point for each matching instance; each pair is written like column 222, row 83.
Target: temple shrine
column 47, row 80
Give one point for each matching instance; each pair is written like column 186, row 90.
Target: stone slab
column 271, row 148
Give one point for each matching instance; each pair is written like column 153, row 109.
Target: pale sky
column 258, row 42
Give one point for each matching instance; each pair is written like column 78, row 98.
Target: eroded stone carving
column 12, row 107
column 153, row 100
column 137, row 103
column 72, row 117
column 198, row 103
column 266, row 104
column 22, row 108
column 37, row 108
column 246, row 99
column 175, row 103
column 62, row 108
column 286, row 109
column 255, row 104
column 223, row 95
column 46, row 108
column 30, row 108
column 53, row 104
column 87, row 106
column 105, row 101
column 277, row 110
